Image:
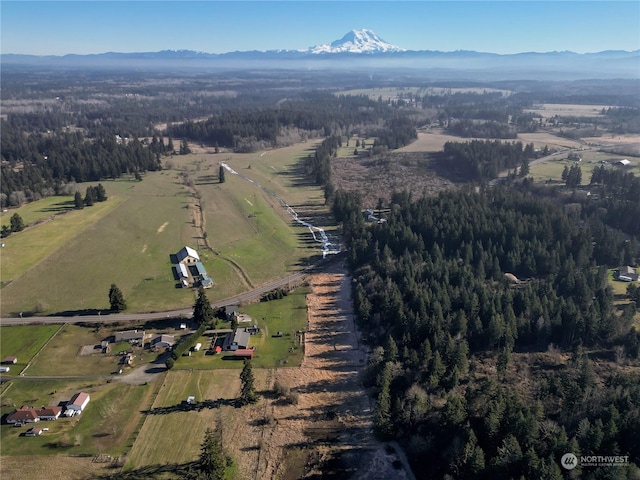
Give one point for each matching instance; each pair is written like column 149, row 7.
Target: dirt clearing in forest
column 329, row 430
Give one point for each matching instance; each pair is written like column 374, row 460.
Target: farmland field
column 24, row 342
column 253, row 239
column 215, row 392
column 548, row 110
column 100, row 428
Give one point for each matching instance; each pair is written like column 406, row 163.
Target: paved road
column 245, row 297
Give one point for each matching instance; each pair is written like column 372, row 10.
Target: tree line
column 433, row 301
column 481, row 160
column 40, row 164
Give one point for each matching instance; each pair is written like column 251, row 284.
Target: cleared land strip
column 331, row 423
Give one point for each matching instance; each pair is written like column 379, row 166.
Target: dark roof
column 187, row 252
column 240, row 338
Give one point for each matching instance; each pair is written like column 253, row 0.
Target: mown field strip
column 23, row 250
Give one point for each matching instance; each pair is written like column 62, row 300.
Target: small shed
column 191, row 400
column 624, row 162
column 10, row 359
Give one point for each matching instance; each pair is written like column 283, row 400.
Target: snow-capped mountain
column 357, row 41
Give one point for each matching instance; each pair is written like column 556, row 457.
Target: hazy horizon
column 73, row 27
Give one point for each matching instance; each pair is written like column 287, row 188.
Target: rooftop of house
column 187, row 252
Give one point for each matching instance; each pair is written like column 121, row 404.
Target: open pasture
column 549, row 110
column 243, row 233
column 548, row 139
column 24, row 341
column 173, row 431
column 24, row 250
column 128, row 246
column 102, row 427
column 40, row 209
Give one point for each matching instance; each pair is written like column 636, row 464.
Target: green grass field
column 62, row 355
column 154, row 444
column 68, row 264
column 24, row 341
column 102, row 427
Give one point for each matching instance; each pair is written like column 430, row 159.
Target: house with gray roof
column 238, row 339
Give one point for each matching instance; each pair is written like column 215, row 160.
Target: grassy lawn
column 102, row 427
column 287, row 315
column 24, row 341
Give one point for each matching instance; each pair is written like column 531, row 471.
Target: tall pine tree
column 212, row 462
column 202, row 310
column 247, row 390
column 116, row 299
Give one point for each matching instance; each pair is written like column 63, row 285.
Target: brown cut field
column 548, row 110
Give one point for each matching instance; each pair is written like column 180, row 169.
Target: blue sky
column 58, row 28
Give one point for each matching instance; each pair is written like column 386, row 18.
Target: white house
column 187, row 255
column 78, row 402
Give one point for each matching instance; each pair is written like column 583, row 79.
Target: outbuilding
column 79, row 402
column 163, row 341
column 10, row 359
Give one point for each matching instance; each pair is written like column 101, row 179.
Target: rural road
column 245, row 297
